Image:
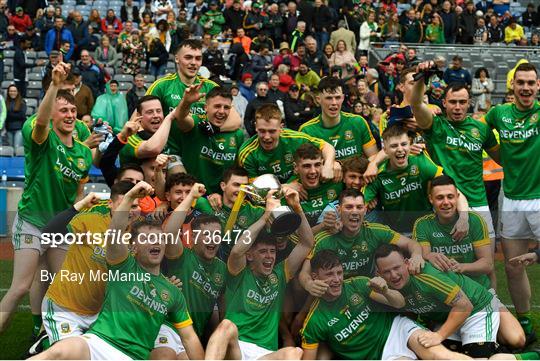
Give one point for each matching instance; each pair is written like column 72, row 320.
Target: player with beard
column 255, row 290
column 140, row 295
column 170, row 90
column 347, row 319
column 207, row 157
column 271, row 149
column 56, row 168
column 402, row 184
column 456, row 307
column 519, row 134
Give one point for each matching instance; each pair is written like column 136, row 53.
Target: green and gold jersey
column 355, row 253
column 279, row 161
column 170, row 90
column 318, row 198
column 403, row 193
column 519, row 135
column 247, row 215
column 207, row 157
column 431, row 293
column 347, row 136
column 136, row 304
column 351, row 325
column 428, row 231
column 81, row 131
column 53, row 172
column 457, row 147
column 254, row 304
column 202, row 283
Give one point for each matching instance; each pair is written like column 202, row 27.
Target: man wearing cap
column 297, row 111
column 20, row 20
column 212, row 20
column 254, row 20
column 261, row 40
column 35, row 39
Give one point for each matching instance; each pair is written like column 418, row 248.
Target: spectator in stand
column 297, row 111
column 35, row 39
column 483, row 5
column 239, row 102
column 238, row 61
column 481, row 32
column 449, row 20
column 111, row 107
column 411, row 28
column 456, row 73
column 15, row 116
column 389, row 80
column 105, row 55
column 482, row 87
column 501, row 7
column 147, row 24
column 466, row 24
column 435, row 31
column 94, row 20
column 285, row 78
column 322, row 21
column 495, row 30
column 243, row 39
column 11, row 37
column 54, row 37
column 39, row 21
column 234, row 16
column 530, row 17
column 79, row 30
column 48, row 21
column 369, row 32
column 246, row 87
column 261, row 39
column 93, row 40
column 365, row 94
column 260, row 65
column 290, row 19
column 274, row 93
column 213, row 20
column 344, row 59
column 126, row 31
column 137, row 91
column 65, row 50
column 161, row 8
column 342, row 33
column 297, row 36
column 285, row 56
column 129, row 12
column 84, row 100
column 156, row 56
column 514, row 34
column 254, row 20
column 314, row 58
column 274, row 23
column 535, row 40
column 111, row 19
column 161, row 31
column 426, row 16
column 92, row 75
column 306, row 78
column 147, row 8
column 213, row 59
column 253, row 105
column 391, row 30
column 20, row 20
column 21, row 64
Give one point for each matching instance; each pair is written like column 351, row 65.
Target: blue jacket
column 65, row 35
column 457, row 76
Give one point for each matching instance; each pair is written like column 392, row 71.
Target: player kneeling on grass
column 349, row 322
column 459, row 308
column 255, row 291
column 137, row 302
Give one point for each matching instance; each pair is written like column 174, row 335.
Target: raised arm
column 329, row 157
column 182, row 115
column 416, row 261
column 305, row 235
column 152, row 147
column 118, row 249
column 422, row 114
column 381, row 293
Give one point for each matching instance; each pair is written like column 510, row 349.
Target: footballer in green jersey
column 401, row 186
column 461, row 309
column 307, row 166
column 207, row 156
column 346, row 132
column 471, row 255
column 348, row 320
column 271, row 150
column 255, row 290
column 170, row 89
column 136, row 294
column 356, row 241
column 80, row 132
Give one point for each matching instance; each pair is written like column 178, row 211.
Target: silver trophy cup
column 283, row 219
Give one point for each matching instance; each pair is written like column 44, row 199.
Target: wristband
column 121, row 140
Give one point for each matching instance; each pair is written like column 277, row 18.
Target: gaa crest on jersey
column 331, row 194
column 418, row 296
column 288, row 158
column 165, row 295
column 64, row 327
column 242, row 220
column 414, row 170
column 28, row 239
column 534, row 118
column 81, row 163
column 163, row 340
column 364, row 247
column 348, row 135
column 273, row 279
column 475, row 133
column 218, row 278
column 232, row 142
column 355, row 299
